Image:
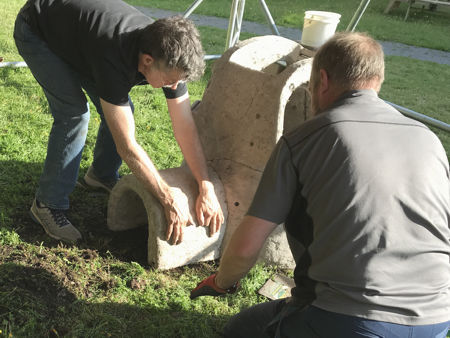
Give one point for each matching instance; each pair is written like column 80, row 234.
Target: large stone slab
column 250, row 102
column 241, row 115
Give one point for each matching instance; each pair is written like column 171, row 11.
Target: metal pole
column 266, row 11
column 192, row 8
column 189, row 12
column 357, row 16
column 421, row 117
column 14, row 64
column 212, row 57
column 240, row 18
column 231, row 23
column 235, row 23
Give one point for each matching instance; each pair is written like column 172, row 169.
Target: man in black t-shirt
column 364, row 194
column 104, row 48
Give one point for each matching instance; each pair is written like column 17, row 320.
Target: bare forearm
column 243, row 250
column 207, row 207
column 121, row 123
column 193, row 154
column 186, row 134
column 233, row 268
column 143, row 168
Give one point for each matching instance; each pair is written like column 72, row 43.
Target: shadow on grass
column 9, row 80
column 34, row 303
column 18, row 182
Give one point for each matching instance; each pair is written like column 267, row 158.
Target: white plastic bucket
column 318, row 27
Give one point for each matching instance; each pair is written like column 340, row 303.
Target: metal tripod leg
column 357, row 16
column 235, row 23
column 269, row 18
column 192, row 8
column 188, row 12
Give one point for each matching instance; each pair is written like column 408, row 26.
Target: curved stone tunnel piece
column 130, row 205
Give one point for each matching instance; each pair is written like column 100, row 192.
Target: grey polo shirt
column 366, row 191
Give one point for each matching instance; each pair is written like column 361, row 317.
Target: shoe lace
column 59, row 217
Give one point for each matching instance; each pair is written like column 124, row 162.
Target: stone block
column 247, row 93
column 254, row 100
column 130, row 205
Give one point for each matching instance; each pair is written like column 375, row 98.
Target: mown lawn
column 103, row 286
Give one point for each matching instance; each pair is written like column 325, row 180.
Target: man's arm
column 239, row 257
column 121, row 124
column 272, row 203
column 243, row 250
column 209, row 212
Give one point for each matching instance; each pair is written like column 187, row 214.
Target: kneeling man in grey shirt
column 365, row 191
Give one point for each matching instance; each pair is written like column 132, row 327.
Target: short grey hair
column 351, row 61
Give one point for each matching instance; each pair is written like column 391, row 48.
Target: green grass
column 420, row 86
column 8, row 12
column 70, row 291
column 423, row 28
column 103, row 286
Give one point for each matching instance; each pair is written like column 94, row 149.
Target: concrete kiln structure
column 256, row 93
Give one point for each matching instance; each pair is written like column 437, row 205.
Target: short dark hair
column 351, row 60
column 174, row 43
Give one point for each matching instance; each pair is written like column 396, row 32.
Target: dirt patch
column 36, row 283
column 88, row 213
column 45, row 283
column 137, row 283
column 32, row 297
column 52, row 271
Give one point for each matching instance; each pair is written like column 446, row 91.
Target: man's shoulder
column 356, row 109
column 366, row 107
column 308, row 130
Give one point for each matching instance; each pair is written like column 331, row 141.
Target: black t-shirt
column 98, row 38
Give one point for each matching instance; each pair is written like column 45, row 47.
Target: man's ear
column 147, row 59
column 324, row 81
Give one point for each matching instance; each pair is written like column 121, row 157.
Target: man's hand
column 207, row 207
column 177, row 215
column 208, row 287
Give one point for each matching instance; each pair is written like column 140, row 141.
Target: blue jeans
column 312, row 322
column 63, row 87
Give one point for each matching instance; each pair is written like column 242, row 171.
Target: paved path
column 390, row 48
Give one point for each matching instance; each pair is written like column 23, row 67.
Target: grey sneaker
column 54, row 222
column 92, row 181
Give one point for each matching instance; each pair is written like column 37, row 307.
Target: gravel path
column 390, row 48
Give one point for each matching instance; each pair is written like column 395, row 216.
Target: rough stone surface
column 250, row 101
column 248, row 93
column 130, row 206
column 254, row 101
